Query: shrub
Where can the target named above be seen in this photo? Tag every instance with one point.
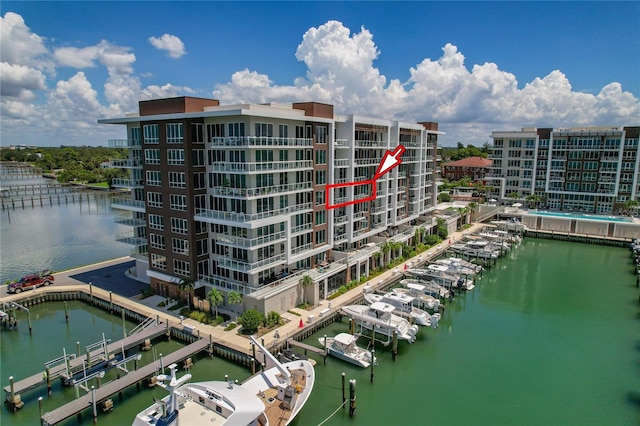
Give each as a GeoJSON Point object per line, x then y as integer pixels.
{"type": "Point", "coordinates": [251, 321]}
{"type": "Point", "coordinates": [230, 326]}
{"type": "Point", "coordinates": [443, 197]}
{"type": "Point", "coordinates": [273, 318]}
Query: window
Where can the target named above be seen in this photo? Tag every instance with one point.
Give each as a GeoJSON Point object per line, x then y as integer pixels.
{"type": "Point", "coordinates": [236, 129]}
{"type": "Point", "coordinates": [283, 155]}
{"type": "Point", "coordinates": [180, 246]}
{"type": "Point", "coordinates": [151, 133]}
{"type": "Point", "coordinates": [321, 177]}
{"type": "Point", "coordinates": [154, 177]}
{"type": "Point", "coordinates": [321, 156]}
{"type": "Point", "coordinates": [152, 156]}
{"type": "Point", "coordinates": [179, 226]}
{"type": "Point", "coordinates": [156, 241]}
{"type": "Point", "coordinates": [154, 199]}
{"type": "Point", "coordinates": [321, 237]}
{"type": "Point", "coordinates": [198, 157]}
{"type": "Point", "coordinates": [202, 247]}
{"type": "Point", "coordinates": [180, 267]}
{"type": "Point", "coordinates": [156, 222]}
{"type": "Point", "coordinates": [197, 132]}
{"type": "Point", "coordinates": [321, 217]}
{"type": "Point", "coordinates": [321, 134]}
{"type": "Point", "coordinates": [265, 204]}
{"type": "Point", "coordinates": [178, 180]}
{"type": "Point", "coordinates": [283, 130]}
{"type": "Point", "coordinates": [175, 157]}
{"type": "Point", "coordinates": [215, 131]}
{"type": "Point", "coordinates": [264, 155]}
{"type": "Point", "coordinates": [158, 261]}
{"type": "Point", "coordinates": [320, 198]}
{"type": "Point", "coordinates": [174, 133]}
{"type": "Point", "coordinates": [199, 181]}
{"type": "Point", "coordinates": [264, 129]}
{"type": "Point", "coordinates": [178, 202]}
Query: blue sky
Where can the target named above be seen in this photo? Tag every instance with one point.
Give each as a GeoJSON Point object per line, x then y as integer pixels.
{"type": "Point", "coordinates": [472, 66]}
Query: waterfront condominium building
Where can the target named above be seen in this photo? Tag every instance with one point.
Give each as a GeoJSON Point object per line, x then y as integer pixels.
{"type": "Point", "coordinates": [249, 198]}
{"type": "Point", "coordinates": [590, 169]}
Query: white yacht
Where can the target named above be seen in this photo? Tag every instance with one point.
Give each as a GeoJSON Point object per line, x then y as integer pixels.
{"type": "Point", "coordinates": [273, 397]}
{"type": "Point", "coordinates": [440, 274]}
{"type": "Point", "coordinates": [404, 307]}
{"type": "Point", "coordinates": [344, 346]}
{"type": "Point", "coordinates": [463, 263]}
{"type": "Point", "coordinates": [477, 248]}
{"type": "Point", "coordinates": [421, 299]}
{"type": "Point", "coordinates": [465, 275]}
{"type": "Point", "coordinates": [453, 264]}
{"type": "Point", "coordinates": [430, 288]}
{"type": "Point", "coordinates": [379, 317]}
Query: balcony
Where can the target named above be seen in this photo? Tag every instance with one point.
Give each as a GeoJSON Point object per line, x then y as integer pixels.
{"type": "Point", "coordinates": [131, 239]}
{"type": "Point", "coordinates": [367, 161]}
{"type": "Point", "coordinates": [127, 183]}
{"type": "Point", "coordinates": [341, 162]}
{"type": "Point", "coordinates": [258, 192]}
{"type": "Point", "coordinates": [129, 221]}
{"type": "Point", "coordinates": [213, 216]}
{"type": "Point", "coordinates": [233, 240]}
{"type": "Point", "coordinates": [410, 159]}
{"type": "Point", "coordinates": [259, 141]}
{"type": "Point", "coordinates": [339, 237]}
{"type": "Point", "coordinates": [367, 144]}
{"type": "Point", "coordinates": [128, 204]}
{"type": "Point", "coordinates": [301, 228]}
{"type": "Point", "coordinates": [241, 266]}
{"type": "Point", "coordinates": [125, 163]}
{"type": "Point", "coordinates": [341, 143]}
{"type": "Point", "coordinates": [261, 167]}
{"type": "Point", "coordinates": [124, 143]}
{"type": "Point", "coordinates": [300, 249]}
{"type": "Point", "coordinates": [340, 219]}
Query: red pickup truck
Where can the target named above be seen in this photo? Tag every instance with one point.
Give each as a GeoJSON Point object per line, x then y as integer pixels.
{"type": "Point", "coordinates": [30, 281]}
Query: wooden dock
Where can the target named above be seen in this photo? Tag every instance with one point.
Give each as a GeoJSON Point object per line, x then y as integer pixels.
{"type": "Point", "coordinates": [306, 347]}
{"type": "Point", "coordinates": [38, 379]}
{"type": "Point", "coordinates": [78, 405]}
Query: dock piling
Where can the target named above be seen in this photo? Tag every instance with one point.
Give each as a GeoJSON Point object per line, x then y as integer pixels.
{"type": "Point", "coordinates": [40, 410]}
{"type": "Point", "coordinates": [344, 398]}
{"type": "Point", "coordinates": [93, 404]}
{"type": "Point", "coordinates": [394, 349]}
{"type": "Point", "coordinates": [352, 397]}
{"type": "Point", "coordinates": [66, 314]}
{"type": "Point", "coordinates": [373, 356]}
{"type": "Point", "coordinates": [47, 372]}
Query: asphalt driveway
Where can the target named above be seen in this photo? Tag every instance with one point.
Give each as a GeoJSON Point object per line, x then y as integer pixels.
{"type": "Point", "coordinates": [112, 278]}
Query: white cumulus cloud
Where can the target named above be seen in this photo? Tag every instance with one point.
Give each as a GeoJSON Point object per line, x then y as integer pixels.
{"type": "Point", "coordinates": [169, 43]}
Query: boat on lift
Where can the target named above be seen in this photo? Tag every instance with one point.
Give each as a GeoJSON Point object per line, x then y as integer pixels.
{"type": "Point", "coordinates": [404, 307]}
{"type": "Point", "coordinates": [344, 346]}
{"type": "Point", "coordinates": [379, 317]}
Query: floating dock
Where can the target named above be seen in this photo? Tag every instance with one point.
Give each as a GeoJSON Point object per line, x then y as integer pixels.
{"type": "Point", "coordinates": [38, 379]}
{"type": "Point", "coordinates": [103, 393]}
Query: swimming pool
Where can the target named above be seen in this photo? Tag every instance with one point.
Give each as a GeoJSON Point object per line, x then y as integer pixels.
{"type": "Point", "coordinates": [582, 216]}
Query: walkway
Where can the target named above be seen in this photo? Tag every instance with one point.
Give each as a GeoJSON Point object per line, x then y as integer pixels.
{"type": "Point", "coordinates": [67, 281]}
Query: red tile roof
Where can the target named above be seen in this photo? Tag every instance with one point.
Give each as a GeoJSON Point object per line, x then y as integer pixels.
{"type": "Point", "coordinates": [470, 162]}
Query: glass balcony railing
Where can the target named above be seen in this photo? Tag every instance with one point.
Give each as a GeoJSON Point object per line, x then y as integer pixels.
{"type": "Point", "coordinates": [124, 143]}
{"type": "Point", "coordinates": [260, 167]}
{"type": "Point", "coordinates": [206, 215]}
{"type": "Point", "coordinates": [260, 141]}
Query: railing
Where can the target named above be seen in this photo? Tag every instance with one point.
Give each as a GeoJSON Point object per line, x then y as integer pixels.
{"type": "Point", "coordinates": [249, 242]}
{"type": "Point", "coordinates": [367, 161]}
{"type": "Point", "coordinates": [339, 237]}
{"type": "Point", "coordinates": [341, 143]}
{"type": "Point", "coordinates": [127, 203]}
{"type": "Point", "coordinates": [340, 219]}
{"type": "Point", "coordinates": [258, 167]}
{"type": "Point", "coordinates": [362, 143]}
{"type": "Point", "coordinates": [126, 183]}
{"type": "Point", "coordinates": [341, 180]}
{"type": "Point", "coordinates": [130, 238]}
{"type": "Point", "coordinates": [130, 221]}
{"type": "Point", "coordinates": [125, 163]}
{"type": "Point", "coordinates": [250, 141]}
{"type": "Point", "coordinates": [341, 162]}
{"type": "Point", "coordinates": [301, 228]}
{"type": "Point", "coordinates": [300, 249]}
{"type": "Point", "coordinates": [245, 266]}
{"type": "Point", "coordinates": [256, 192]}
{"type": "Point", "coordinates": [206, 214]}
{"type": "Point", "coordinates": [124, 143]}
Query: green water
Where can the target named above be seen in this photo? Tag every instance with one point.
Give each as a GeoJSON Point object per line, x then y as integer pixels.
{"type": "Point", "coordinates": [549, 336]}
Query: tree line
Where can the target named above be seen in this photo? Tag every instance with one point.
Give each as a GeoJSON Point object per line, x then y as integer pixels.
{"type": "Point", "coordinates": [460, 151]}
{"type": "Point", "coordinates": [70, 163]}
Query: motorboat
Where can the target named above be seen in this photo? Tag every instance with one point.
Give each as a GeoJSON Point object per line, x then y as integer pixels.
{"type": "Point", "coordinates": [462, 263]}
{"type": "Point", "coordinates": [440, 274]}
{"type": "Point", "coordinates": [456, 267]}
{"type": "Point", "coordinates": [465, 275]}
{"type": "Point", "coordinates": [421, 299]}
{"type": "Point", "coordinates": [430, 288]}
{"type": "Point", "coordinates": [404, 307]}
{"type": "Point", "coordinates": [379, 317]}
{"type": "Point", "coordinates": [477, 248]}
{"type": "Point", "coordinates": [272, 397]}
{"type": "Point", "coordinates": [344, 346]}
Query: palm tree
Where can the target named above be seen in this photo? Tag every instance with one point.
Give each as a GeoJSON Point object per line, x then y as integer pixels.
{"type": "Point", "coordinates": [533, 200]}
{"type": "Point", "coordinates": [376, 258]}
{"type": "Point", "coordinates": [187, 285]}
{"type": "Point", "coordinates": [386, 248]}
{"type": "Point", "coordinates": [631, 205]}
{"type": "Point", "coordinates": [305, 282]}
{"type": "Point", "coordinates": [395, 248]}
{"type": "Point", "coordinates": [234, 298]}
{"type": "Point", "coordinates": [514, 195]}
{"type": "Point", "coordinates": [216, 298]}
